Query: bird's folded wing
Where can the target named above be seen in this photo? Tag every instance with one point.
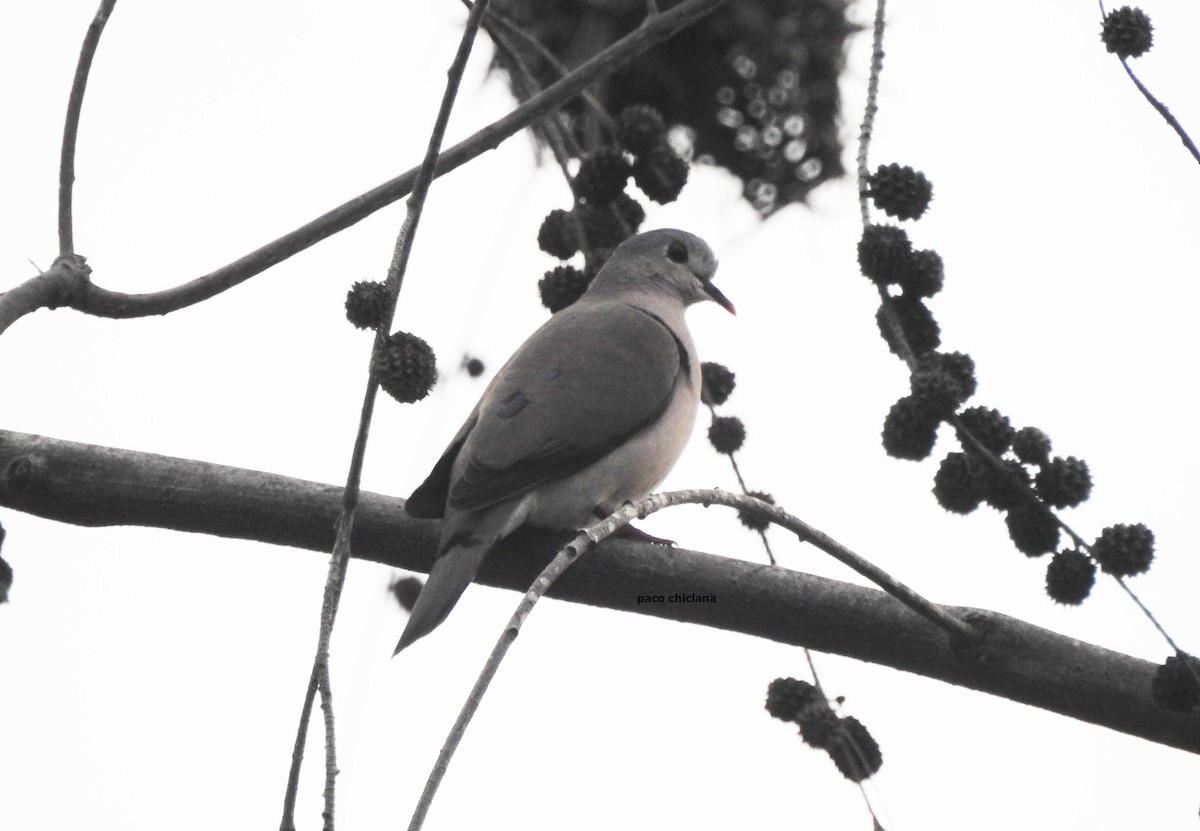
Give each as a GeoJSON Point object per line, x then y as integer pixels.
{"type": "Point", "coordinates": [428, 501]}
{"type": "Point", "coordinates": [581, 386]}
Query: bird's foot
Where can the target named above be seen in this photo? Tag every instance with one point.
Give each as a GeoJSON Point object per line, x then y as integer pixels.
{"type": "Point", "coordinates": [629, 532]}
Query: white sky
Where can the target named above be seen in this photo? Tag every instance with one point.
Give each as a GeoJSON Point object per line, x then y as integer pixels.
{"type": "Point", "coordinates": [152, 679]}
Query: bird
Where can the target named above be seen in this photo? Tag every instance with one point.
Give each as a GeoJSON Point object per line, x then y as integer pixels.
{"type": "Point", "coordinates": [591, 411]}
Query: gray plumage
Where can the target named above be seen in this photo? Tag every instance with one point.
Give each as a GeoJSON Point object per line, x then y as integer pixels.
{"type": "Point", "coordinates": [591, 411]}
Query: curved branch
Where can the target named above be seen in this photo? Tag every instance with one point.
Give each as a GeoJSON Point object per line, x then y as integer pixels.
{"type": "Point", "coordinates": [66, 166]}
{"type": "Point", "coordinates": [590, 537]}
{"type": "Point", "coordinates": [105, 303]}
{"type": "Point", "coordinates": [963, 635]}
{"type": "Point", "coordinates": [1162, 110]}
{"type": "Point", "coordinates": [97, 486]}
{"type": "Point", "coordinates": [61, 285]}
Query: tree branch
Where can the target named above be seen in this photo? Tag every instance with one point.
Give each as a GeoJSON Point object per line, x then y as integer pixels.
{"type": "Point", "coordinates": [66, 165]}
{"type": "Point", "coordinates": [1162, 110]}
{"type": "Point", "coordinates": [1159, 107]}
{"type": "Point", "coordinates": [338, 564]}
{"type": "Point", "coordinates": [60, 285]}
{"type": "Point", "coordinates": [104, 303]}
{"type": "Point", "coordinates": [96, 486]}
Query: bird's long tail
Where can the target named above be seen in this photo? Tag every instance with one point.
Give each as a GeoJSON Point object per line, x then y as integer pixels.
{"type": "Point", "coordinates": [463, 552]}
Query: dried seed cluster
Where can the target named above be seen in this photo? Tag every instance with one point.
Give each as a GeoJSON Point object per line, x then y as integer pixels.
{"type": "Point", "coordinates": [846, 740]}
{"type": "Point", "coordinates": [604, 214]}
{"type": "Point", "coordinates": [1127, 32]}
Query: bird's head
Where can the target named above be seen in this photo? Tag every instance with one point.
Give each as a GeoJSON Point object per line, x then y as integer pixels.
{"type": "Point", "coordinates": [668, 260]}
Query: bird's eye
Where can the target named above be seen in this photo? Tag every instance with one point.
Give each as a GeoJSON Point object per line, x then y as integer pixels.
{"type": "Point", "coordinates": [677, 251]}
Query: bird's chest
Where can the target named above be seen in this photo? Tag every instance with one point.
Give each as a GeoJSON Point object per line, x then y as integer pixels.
{"type": "Point", "coordinates": [631, 471]}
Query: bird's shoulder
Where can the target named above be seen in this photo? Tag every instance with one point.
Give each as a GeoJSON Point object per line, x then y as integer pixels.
{"type": "Point", "coordinates": [610, 356]}
{"type": "Point", "coordinates": [589, 337]}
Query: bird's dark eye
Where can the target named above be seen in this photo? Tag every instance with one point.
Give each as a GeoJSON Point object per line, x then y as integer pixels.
{"type": "Point", "coordinates": [677, 251]}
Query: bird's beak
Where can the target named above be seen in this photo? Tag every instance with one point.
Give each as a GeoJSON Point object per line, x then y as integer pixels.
{"type": "Point", "coordinates": [715, 293]}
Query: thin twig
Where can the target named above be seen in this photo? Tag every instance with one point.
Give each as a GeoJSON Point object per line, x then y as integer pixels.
{"type": "Point", "coordinates": [550, 128]}
{"type": "Point", "coordinates": [762, 533]}
{"type": "Point", "coordinates": [767, 547]}
{"type": "Point", "coordinates": [1149, 615]}
{"type": "Point", "coordinates": [104, 303]}
{"type": "Point", "coordinates": [319, 675]}
{"type": "Point", "coordinates": [972, 443]}
{"type": "Point", "coordinates": [891, 322]}
{"type": "Point", "coordinates": [496, 16]}
{"type": "Point", "coordinates": [960, 632]}
{"type": "Point", "coordinates": [1158, 105]}
{"type": "Point", "coordinates": [66, 167]}
{"type": "Point", "coordinates": [336, 576]}
{"type": "Point", "coordinates": [1163, 111]}
{"type": "Point", "coordinates": [862, 788]}
{"type": "Point", "coordinates": [812, 667]}
{"type": "Point", "coordinates": [565, 557]}
{"type": "Point", "coordinates": [1030, 498]}
{"type": "Point", "coordinates": [872, 107]}
{"type": "Point", "coordinates": [334, 580]}
{"type": "Point", "coordinates": [288, 822]}
{"type": "Point", "coordinates": [957, 629]}
{"type": "Point", "coordinates": [737, 472]}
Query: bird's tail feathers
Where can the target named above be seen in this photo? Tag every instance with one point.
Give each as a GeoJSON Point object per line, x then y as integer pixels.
{"type": "Point", "coordinates": [459, 560]}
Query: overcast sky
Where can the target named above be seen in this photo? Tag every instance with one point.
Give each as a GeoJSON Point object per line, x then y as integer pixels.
{"type": "Point", "coordinates": [153, 680]}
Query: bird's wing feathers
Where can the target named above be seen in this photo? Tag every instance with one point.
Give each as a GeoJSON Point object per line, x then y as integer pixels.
{"type": "Point", "coordinates": [578, 388]}
{"type": "Point", "coordinates": [428, 501]}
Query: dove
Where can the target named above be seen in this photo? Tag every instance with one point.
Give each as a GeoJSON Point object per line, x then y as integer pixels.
{"type": "Point", "coordinates": [591, 411]}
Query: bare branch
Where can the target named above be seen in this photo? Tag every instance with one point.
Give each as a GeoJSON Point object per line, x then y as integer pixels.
{"type": "Point", "coordinates": [61, 285]}
{"type": "Point", "coordinates": [288, 823]}
{"type": "Point", "coordinates": [336, 576]}
{"type": "Point", "coordinates": [1162, 110]}
{"type": "Point", "coordinates": [495, 17]}
{"type": "Point", "coordinates": [866, 131]}
{"type": "Point", "coordinates": [105, 303]}
{"type": "Point", "coordinates": [549, 130]}
{"type": "Point", "coordinates": [95, 486]}
{"type": "Point", "coordinates": [66, 167]}
{"type": "Point", "coordinates": [590, 537]}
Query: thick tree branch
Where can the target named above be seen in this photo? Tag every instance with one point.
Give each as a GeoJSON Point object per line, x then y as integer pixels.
{"type": "Point", "coordinates": [105, 303]}
{"type": "Point", "coordinates": [96, 486]}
